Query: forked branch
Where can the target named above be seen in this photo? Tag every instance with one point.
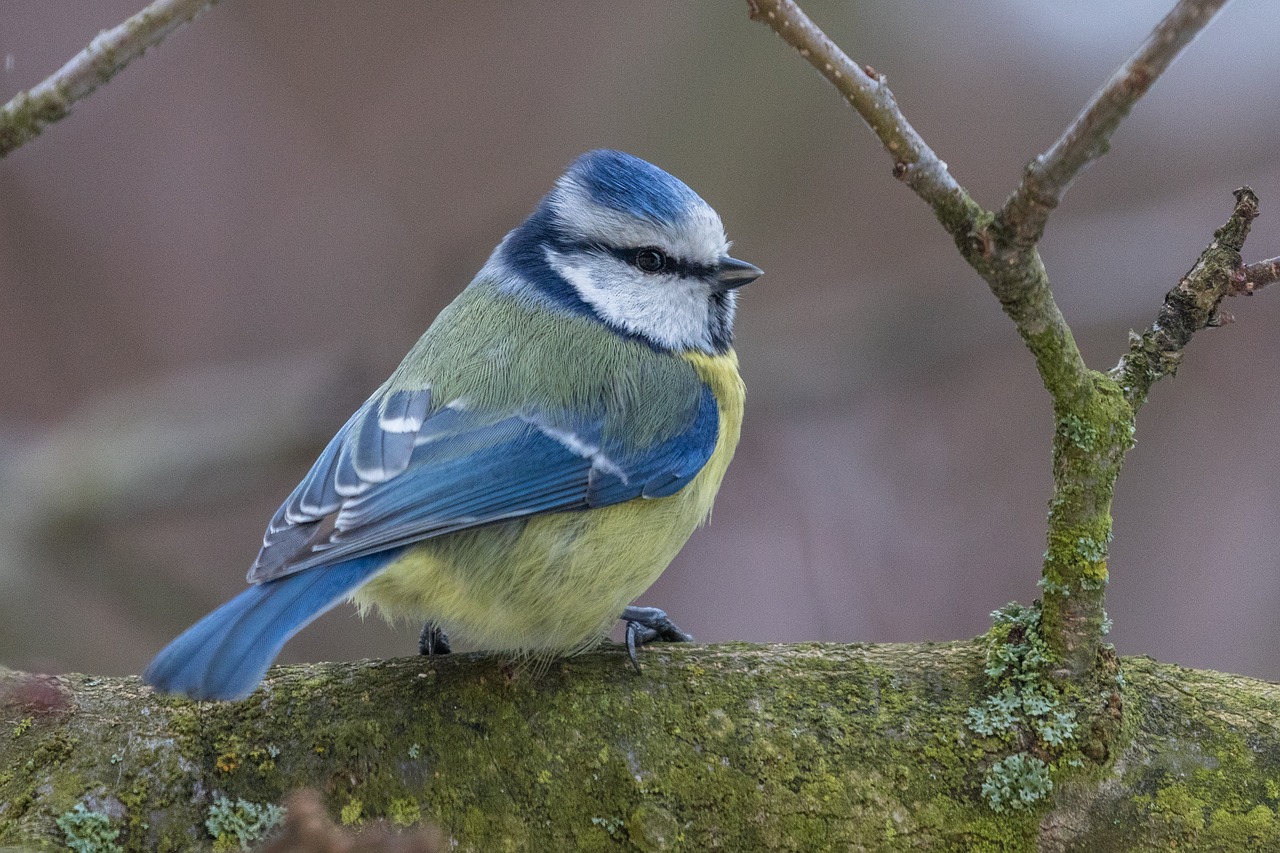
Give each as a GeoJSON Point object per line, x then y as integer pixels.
{"type": "Point", "coordinates": [1094, 412]}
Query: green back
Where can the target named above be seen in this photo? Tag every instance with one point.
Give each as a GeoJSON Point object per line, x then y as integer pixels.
{"type": "Point", "coordinates": [504, 353]}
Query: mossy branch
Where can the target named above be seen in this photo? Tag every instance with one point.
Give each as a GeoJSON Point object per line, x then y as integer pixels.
{"type": "Point", "coordinates": [732, 747]}
{"type": "Point", "coordinates": [27, 114]}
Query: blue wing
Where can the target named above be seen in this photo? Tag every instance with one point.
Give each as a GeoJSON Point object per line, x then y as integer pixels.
{"type": "Point", "coordinates": [401, 471]}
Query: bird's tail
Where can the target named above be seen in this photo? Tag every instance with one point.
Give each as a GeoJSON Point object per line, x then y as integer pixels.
{"type": "Point", "coordinates": [225, 654]}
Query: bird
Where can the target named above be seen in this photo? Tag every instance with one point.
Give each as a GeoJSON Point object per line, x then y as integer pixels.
{"type": "Point", "coordinates": [536, 460]}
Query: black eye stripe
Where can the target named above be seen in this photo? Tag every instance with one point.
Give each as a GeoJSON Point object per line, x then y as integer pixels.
{"type": "Point", "coordinates": [673, 266]}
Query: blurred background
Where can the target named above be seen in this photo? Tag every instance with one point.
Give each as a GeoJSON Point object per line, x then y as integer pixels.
{"type": "Point", "coordinates": [224, 250]}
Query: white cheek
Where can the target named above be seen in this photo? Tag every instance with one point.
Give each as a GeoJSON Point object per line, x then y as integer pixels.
{"type": "Point", "coordinates": [671, 311]}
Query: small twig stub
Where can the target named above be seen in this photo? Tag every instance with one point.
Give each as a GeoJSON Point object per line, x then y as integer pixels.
{"type": "Point", "coordinates": [1190, 306]}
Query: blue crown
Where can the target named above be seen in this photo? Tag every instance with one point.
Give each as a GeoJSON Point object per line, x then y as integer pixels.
{"type": "Point", "coordinates": [621, 182]}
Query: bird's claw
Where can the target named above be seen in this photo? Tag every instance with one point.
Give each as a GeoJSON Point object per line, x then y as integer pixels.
{"type": "Point", "coordinates": [647, 624]}
{"type": "Point", "coordinates": [433, 641]}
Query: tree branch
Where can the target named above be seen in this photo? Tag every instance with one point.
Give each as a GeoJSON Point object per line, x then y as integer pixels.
{"type": "Point", "coordinates": [1094, 412]}
{"type": "Point", "coordinates": [28, 113]}
{"type": "Point", "coordinates": [1192, 305]}
{"type": "Point", "coordinates": [1048, 176]}
{"type": "Point", "coordinates": [732, 747]}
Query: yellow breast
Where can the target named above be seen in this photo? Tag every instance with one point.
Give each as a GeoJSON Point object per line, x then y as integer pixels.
{"type": "Point", "coordinates": [720, 372]}
{"type": "Point", "coordinates": [556, 583]}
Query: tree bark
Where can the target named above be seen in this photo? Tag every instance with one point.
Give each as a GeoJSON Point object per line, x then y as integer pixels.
{"type": "Point", "coordinates": [733, 747]}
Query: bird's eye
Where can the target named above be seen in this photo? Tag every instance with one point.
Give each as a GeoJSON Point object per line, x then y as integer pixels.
{"type": "Point", "coordinates": [650, 260]}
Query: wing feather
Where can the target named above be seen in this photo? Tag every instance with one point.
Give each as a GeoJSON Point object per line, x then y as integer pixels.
{"type": "Point", "coordinates": [399, 472]}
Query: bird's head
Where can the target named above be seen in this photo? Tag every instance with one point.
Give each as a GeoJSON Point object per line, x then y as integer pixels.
{"type": "Point", "coordinates": [628, 244]}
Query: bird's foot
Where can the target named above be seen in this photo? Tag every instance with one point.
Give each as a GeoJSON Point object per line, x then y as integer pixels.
{"type": "Point", "coordinates": [647, 624]}
{"type": "Point", "coordinates": [433, 641]}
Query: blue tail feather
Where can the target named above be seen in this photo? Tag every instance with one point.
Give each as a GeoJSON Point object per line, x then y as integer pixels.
{"type": "Point", "coordinates": [226, 654]}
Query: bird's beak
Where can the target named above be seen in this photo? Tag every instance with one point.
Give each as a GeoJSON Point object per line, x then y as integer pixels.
{"type": "Point", "coordinates": [733, 273]}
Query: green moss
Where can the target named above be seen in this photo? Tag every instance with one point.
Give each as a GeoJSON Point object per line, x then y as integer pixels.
{"type": "Point", "coordinates": [652, 828]}
{"type": "Point", "coordinates": [1077, 556]}
{"type": "Point", "coordinates": [1177, 809]}
{"type": "Point", "coordinates": [1094, 430]}
{"type": "Point", "coordinates": [27, 118]}
{"type": "Point", "coordinates": [1255, 829]}
{"type": "Point", "coordinates": [22, 727]}
{"type": "Point", "coordinates": [1200, 769]}
{"type": "Point", "coordinates": [404, 812]}
{"type": "Point", "coordinates": [352, 813]}
{"type": "Point", "coordinates": [87, 831]}
{"type": "Point", "coordinates": [236, 825]}
{"type": "Point", "coordinates": [1215, 795]}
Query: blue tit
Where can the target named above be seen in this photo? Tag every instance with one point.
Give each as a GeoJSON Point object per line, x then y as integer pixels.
{"type": "Point", "coordinates": [538, 458]}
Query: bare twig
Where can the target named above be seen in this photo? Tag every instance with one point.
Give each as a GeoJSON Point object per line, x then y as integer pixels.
{"type": "Point", "coordinates": [915, 163]}
{"type": "Point", "coordinates": [1253, 277]}
{"type": "Point", "coordinates": [1048, 176]}
{"type": "Point", "coordinates": [1191, 306]}
{"type": "Point", "coordinates": [28, 113]}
